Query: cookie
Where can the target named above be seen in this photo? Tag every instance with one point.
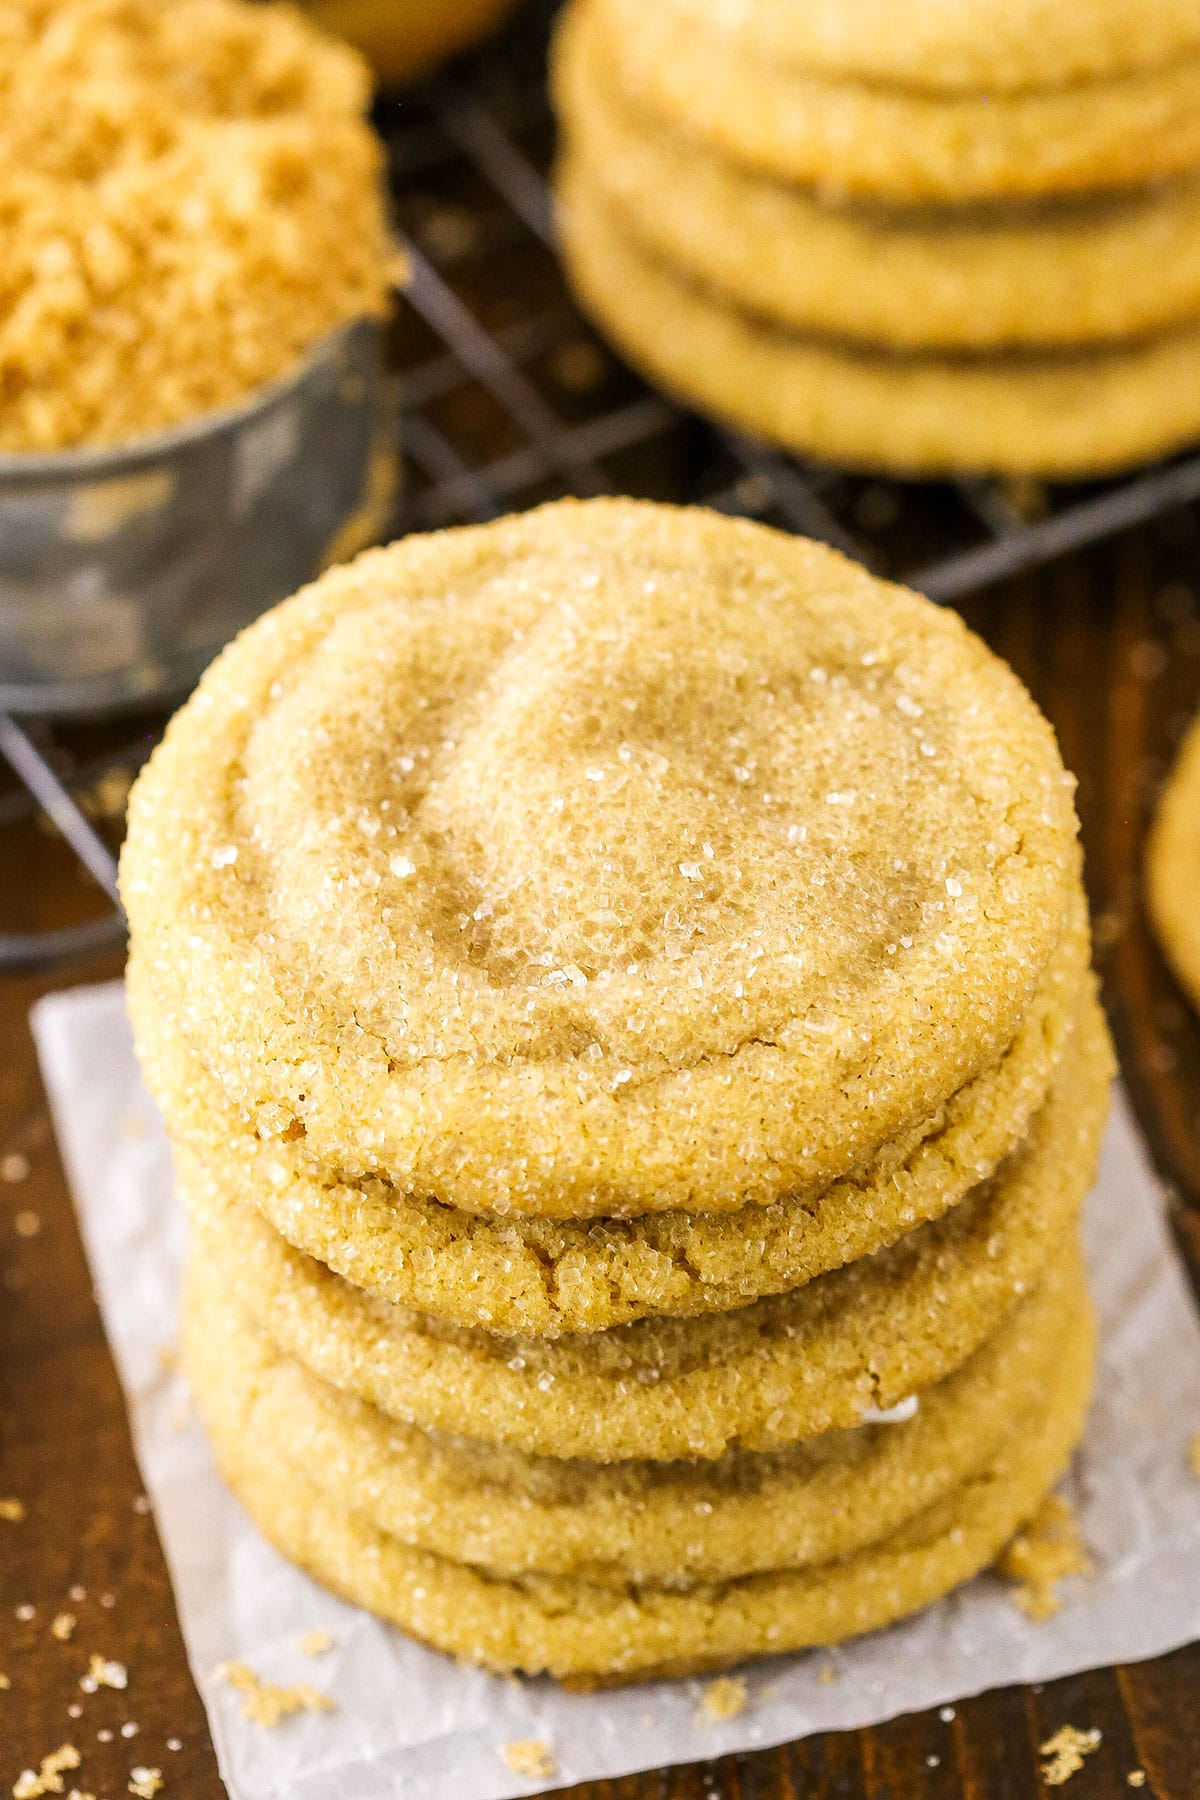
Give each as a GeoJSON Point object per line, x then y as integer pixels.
{"type": "Point", "coordinates": [760, 1378]}
{"type": "Point", "coordinates": [660, 1523]}
{"type": "Point", "coordinates": [579, 1630]}
{"type": "Point", "coordinates": [993, 46]}
{"type": "Point", "coordinates": [1065, 272]}
{"type": "Point", "coordinates": [899, 143]}
{"type": "Point", "coordinates": [1057, 414]}
{"type": "Point", "coordinates": [1173, 867]}
{"type": "Point", "coordinates": [405, 39]}
{"type": "Point", "coordinates": [546, 1277]}
{"type": "Point", "coordinates": [605, 860]}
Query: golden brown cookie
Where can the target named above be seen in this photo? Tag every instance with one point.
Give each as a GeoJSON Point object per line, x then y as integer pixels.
{"type": "Point", "coordinates": [575, 1629]}
{"type": "Point", "coordinates": [606, 860]}
{"type": "Point", "coordinates": [901, 143]}
{"type": "Point", "coordinates": [407, 38]}
{"type": "Point", "coordinates": [1066, 272]}
{"type": "Point", "coordinates": [661, 1523]}
{"type": "Point", "coordinates": [1173, 866]}
{"type": "Point", "coordinates": [544, 1277]}
{"type": "Point", "coordinates": [991, 46]}
{"type": "Point", "coordinates": [1058, 413]}
{"type": "Point", "coordinates": [760, 1378]}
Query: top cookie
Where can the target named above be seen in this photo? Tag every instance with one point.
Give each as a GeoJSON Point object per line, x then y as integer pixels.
{"type": "Point", "coordinates": [605, 860]}
{"type": "Point", "coordinates": [954, 45]}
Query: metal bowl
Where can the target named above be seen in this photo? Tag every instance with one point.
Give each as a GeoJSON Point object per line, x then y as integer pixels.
{"type": "Point", "coordinates": [123, 571]}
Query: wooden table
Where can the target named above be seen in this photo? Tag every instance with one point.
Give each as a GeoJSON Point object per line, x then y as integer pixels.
{"type": "Point", "coordinates": [1110, 645]}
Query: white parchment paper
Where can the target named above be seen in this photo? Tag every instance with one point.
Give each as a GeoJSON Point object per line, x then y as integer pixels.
{"type": "Point", "coordinates": [411, 1724]}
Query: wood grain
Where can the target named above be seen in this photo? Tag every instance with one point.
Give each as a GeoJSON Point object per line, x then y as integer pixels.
{"type": "Point", "coordinates": [1110, 645]}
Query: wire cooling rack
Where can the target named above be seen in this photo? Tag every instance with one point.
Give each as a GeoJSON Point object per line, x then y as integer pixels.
{"type": "Point", "coordinates": [509, 399]}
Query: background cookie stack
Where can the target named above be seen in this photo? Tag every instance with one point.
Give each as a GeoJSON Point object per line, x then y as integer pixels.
{"type": "Point", "coordinates": [618, 983]}
{"type": "Point", "coordinates": [927, 238]}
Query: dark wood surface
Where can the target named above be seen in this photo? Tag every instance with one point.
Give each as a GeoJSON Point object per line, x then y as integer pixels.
{"type": "Point", "coordinates": [1110, 645]}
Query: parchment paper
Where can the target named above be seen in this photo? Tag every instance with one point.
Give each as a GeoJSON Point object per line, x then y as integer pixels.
{"type": "Point", "coordinates": [410, 1723]}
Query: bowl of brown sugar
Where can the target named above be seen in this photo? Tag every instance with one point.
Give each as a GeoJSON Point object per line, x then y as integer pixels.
{"type": "Point", "coordinates": [194, 279]}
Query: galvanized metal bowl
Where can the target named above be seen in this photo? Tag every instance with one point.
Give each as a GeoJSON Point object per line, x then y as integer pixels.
{"type": "Point", "coordinates": [124, 570]}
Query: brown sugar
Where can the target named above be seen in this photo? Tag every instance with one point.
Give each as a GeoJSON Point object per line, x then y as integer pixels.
{"type": "Point", "coordinates": [190, 199]}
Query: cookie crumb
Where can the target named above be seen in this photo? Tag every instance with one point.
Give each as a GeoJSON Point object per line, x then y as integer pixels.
{"type": "Point", "coordinates": [1049, 1550]}
{"type": "Point", "coordinates": [102, 1673]}
{"type": "Point", "coordinates": [5, 1684]}
{"type": "Point", "coordinates": [723, 1698]}
{"type": "Point", "coordinates": [1065, 1751]}
{"type": "Point", "coordinates": [62, 1625]}
{"type": "Point", "coordinates": [1194, 1454]}
{"type": "Point", "coordinates": [827, 1675]}
{"type": "Point", "coordinates": [263, 1703]}
{"type": "Point", "coordinates": [78, 1794]}
{"type": "Point", "coordinates": [316, 1643]}
{"type": "Point", "coordinates": [145, 1783]}
{"type": "Point", "coordinates": [13, 1511]}
{"type": "Point", "coordinates": [49, 1777]}
{"type": "Point", "coordinates": [531, 1757]}
{"type": "Point", "coordinates": [1136, 1778]}
{"type": "Point", "coordinates": [167, 1358]}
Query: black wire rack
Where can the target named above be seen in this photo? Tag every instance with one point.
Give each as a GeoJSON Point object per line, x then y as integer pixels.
{"type": "Point", "coordinates": [509, 399]}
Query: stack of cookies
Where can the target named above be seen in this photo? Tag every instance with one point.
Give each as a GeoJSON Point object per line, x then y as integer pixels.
{"type": "Point", "coordinates": [618, 984]}
{"type": "Point", "coordinates": [924, 238]}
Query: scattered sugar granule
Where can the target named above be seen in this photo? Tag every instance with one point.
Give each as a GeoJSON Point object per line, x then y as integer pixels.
{"type": "Point", "coordinates": [13, 1511]}
{"type": "Point", "coordinates": [27, 1224]}
{"type": "Point", "coordinates": [1136, 1778]}
{"type": "Point", "coordinates": [25, 1612]}
{"type": "Point", "coordinates": [129, 1729]}
{"type": "Point", "coordinates": [102, 1673]}
{"type": "Point", "coordinates": [265, 1704]}
{"type": "Point", "coordinates": [1194, 1454]}
{"type": "Point", "coordinates": [316, 1643]}
{"type": "Point", "coordinates": [723, 1698]}
{"type": "Point", "coordinates": [947, 1715]}
{"type": "Point", "coordinates": [145, 1783]}
{"type": "Point", "coordinates": [532, 1757]}
{"type": "Point", "coordinates": [14, 1167]}
{"type": "Point", "coordinates": [1049, 1550]}
{"type": "Point", "coordinates": [1064, 1753]}
{"type": "Point", "coordinates": [49, 1777]}
{"type": "Point", "coordinates": [62, 1626]}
